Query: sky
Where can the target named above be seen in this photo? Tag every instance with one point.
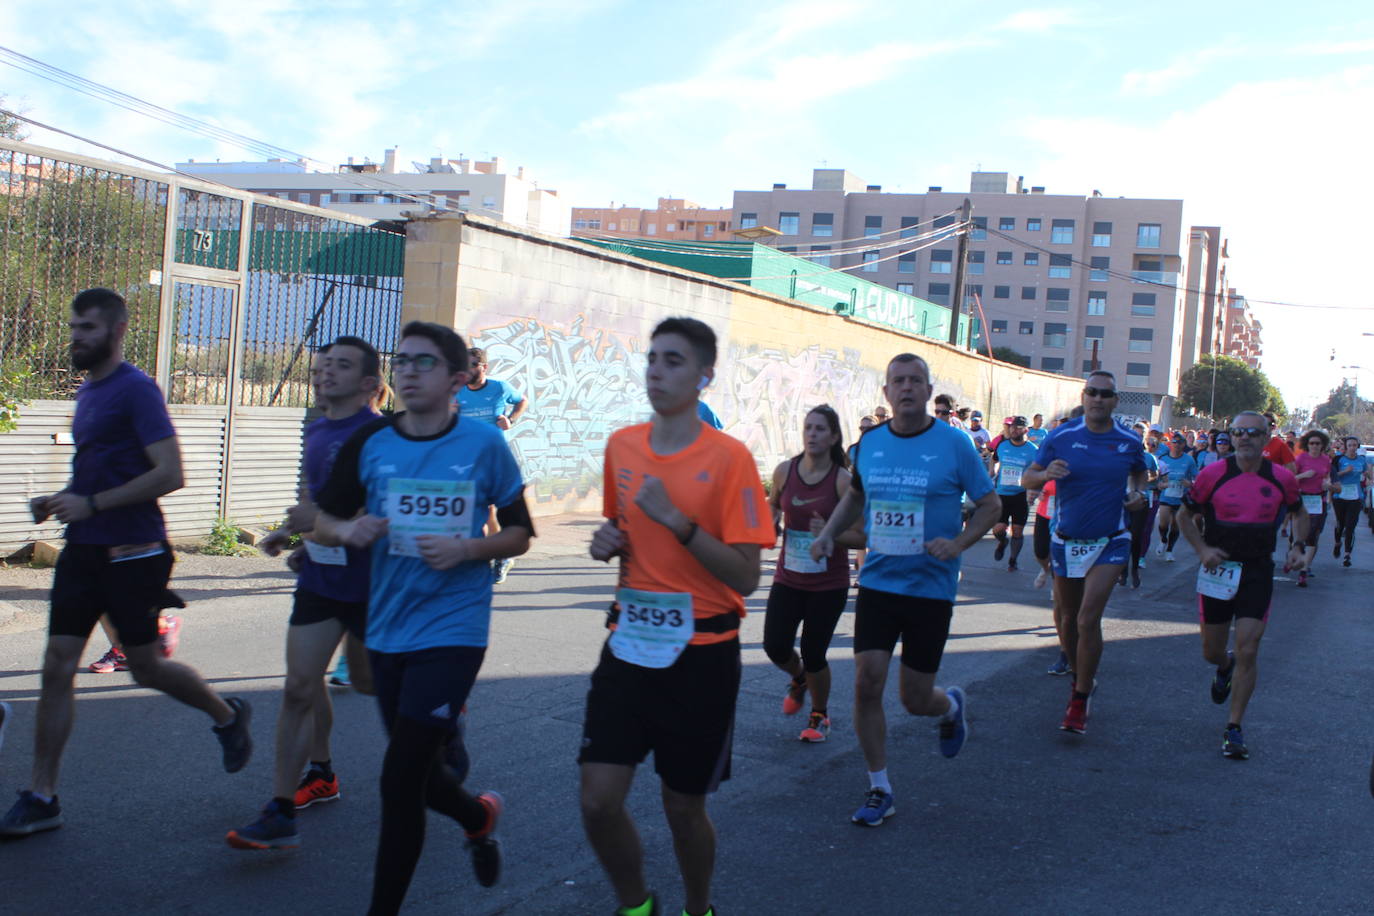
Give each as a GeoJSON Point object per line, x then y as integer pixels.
{"type": "Point", "coordinates": [1256, 115]}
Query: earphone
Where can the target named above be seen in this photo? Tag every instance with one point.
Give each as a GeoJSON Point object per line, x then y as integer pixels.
{"type": "Point", "coordinates": [701, 385]}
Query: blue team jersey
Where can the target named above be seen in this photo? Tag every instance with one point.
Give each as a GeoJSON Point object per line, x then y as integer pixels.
{"type": "Point", "coordinates": [446, 479]}
{"type": "Point", "coordinates": [1012, 460]}
{"type": "Point", "coordinates": [1352, 484]}
{"type": "Point", "coordinates": [708, 416]}
{"type": "Point", "coordinates": [1151, 465]}
{"type": "Point", "coordinates": [1089, 500]}
{"type": "Point", "coordinates": [494, 399]}
{"type": "Point", "coordinates": [917, 481]}
{"type": "Point", "coordinates": [1181, 471]}
{"type": "Point", "coordinates": [1036, 435]}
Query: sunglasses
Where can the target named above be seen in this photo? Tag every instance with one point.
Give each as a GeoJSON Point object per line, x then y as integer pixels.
{"type": "Point", "coordinates": [941, 413]}
{"type": "Point", "coordinates": [1248, 432]}
{"type": "Point", "coordinates": [1092, 392]}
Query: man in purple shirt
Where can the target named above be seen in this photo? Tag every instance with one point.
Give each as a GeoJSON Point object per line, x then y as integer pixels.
{"type": "Point", "coordinates": [116, 560]}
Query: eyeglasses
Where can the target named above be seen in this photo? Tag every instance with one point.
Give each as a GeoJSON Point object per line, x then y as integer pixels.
{"type": "Point", "coordinates": [941, 413]}
{"type": "Point", "coordinates": [1092, 392]}
{"type": "Point", "coordinates": [423, 362]}
{"type": "Point", "coordinates": [1248, 432]}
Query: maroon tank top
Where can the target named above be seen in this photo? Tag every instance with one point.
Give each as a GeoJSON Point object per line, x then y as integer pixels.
{"type": "Point", "coordinates": [800, 501]}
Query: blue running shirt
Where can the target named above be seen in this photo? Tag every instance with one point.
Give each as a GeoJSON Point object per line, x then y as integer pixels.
{"type": "Point", "coordinates": [915, 483]}
{"type": "Point", "coordinates": [1089, 500]}
{"type": "Point", "coordinates": [462, 470]}
{"type": "Point", "coordinates": [1182, 471]}
{"type": "Point", "coordinates": [1352, 484]}
{"type": "Point", "coordinates": [1036, 435]}
{"type": "Point", "coordinates": [494, 399]}
{"type": "Point", "coordinates": [1011, 461]}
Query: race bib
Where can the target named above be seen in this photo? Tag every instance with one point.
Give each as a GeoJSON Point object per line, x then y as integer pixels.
{"type": "Point", "coordinates": [1079, 556]}
{"type": "Point", "coordinates": [1009, 475]}
{"type": "Point", "coordinates": [1174, 491]}
{"type": "Point", "coordinates": [1221, 582]}
{"type": "Point", "coordinates": [1312, 502]}
{"type": "Point", "coordinates": [897, 527]}
{"type": "Point", "coordinates": [797, 556]}
{"type": "Point", "coordinates": [326, 556]}
{"type": "Point", "coordinates": [416, 507]}
{"type": "Point", "coordinates": [1350, 490]}
{"type": "Point", "coordinates": [1049, 507]}
{"type": "Point", "coordinates": [653, 627]}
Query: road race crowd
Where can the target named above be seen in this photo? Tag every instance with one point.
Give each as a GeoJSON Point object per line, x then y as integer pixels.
{"type": "Point", "coordinates": [409, 520]}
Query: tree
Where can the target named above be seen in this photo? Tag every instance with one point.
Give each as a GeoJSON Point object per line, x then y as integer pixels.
{"type": "Point", "coordinates": [1232, 388]}
{"type": "Point", "coordinates": [1008, 355]}
{"type": "Point", "coordinates": [10, 126]}
{"type": "Point", "coordinates": [1343, 400]}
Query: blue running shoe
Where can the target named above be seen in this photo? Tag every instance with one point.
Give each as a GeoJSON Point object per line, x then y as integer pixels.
{"type": "Point", "coordinates": [340, 676]}
{"type": "Point", "coordinates": [1060, 667]}
{"type": "Point", "coordinates": [1233, 744]}
{"type": "Point", "coordinates": [878, 807]}
{"type": "Point", "coordinates": [273, 830]}
{"type": "Point", "coordinates": [1221, 681]}
{"type": "Point", "coordinates": [31, 815]}
{"type": "Point", "coordinates": [235, 738]}
{"type": "Point", "coordinates": [954, 732]}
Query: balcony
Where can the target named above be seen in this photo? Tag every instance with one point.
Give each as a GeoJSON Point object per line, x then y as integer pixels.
{"type": "Point", "coordinates": [1162, 277]}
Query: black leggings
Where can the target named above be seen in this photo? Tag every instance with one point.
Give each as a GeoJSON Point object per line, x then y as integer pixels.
{"type": "Point", "coordinates": [817, 613]}
{"type": "Point", "coordinates": [1347, 513]}
{"type": "Point", "coordinates": [1139, 524]}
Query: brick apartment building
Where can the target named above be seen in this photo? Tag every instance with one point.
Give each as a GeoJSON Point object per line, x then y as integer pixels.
{"type": "Point", "coordinates": [675, 220]}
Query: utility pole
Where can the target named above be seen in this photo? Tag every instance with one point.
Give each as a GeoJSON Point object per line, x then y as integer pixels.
{"type": "Point", "coordinates": [960, 267]}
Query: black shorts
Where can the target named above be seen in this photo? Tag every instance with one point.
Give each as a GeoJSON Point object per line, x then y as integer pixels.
{"type": "Point", "coordinates": [310, 607]}
{"type": "Point", "coordinates": [685, 714]}
{"type": "Point", "coordinates": [1040, 538]}
{"type": "Point", "coordinates": [1252, 598]}
{"type": "Point", "coordinates": [429, 686]}
{"type": "Point", "coordinates": [922, 624]}
{"type": "Point", "coordinates": [1315, 524]}
{"type": "Point", "coordinates": [87, 584]}
{"type": "Point", "coordinates": [1015, 509]}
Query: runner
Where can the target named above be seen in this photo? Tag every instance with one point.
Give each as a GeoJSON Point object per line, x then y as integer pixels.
{"type": "Point", "coordinates": [1037, 432]}
{"type": "Point", "coordinates": [805, 593]}
{"type": "Point", "coordinates": [330, 601]}
{"type": "Point", "coordinates": [116, 560]}
{"type": "Point", "coordinates": [1012, 456]}
{"type": "Point", "coordinates": [908, 486]}
{"type": "Point", "coordinates": [1351, 471]}
{"type": "Point", "coordinates": [880, 413]}
{"type": "Point", "coordinates": [1092, 460]}
{"type": "Point", "coordinates": [1276, 450]}
{"type": "Point", "coordinates": [1243, 500]}
{"type": "Point", "coordinates": [1044, 515]}
{"type": "Point", "coordinates": [1140, 520]}
{"type": "Point", "coordinates": [687, 517]}
{"type": "Point", "coordinates": [423, 477]}
{"type": "Point", "coordinates": [980, 436]}
{"type": "Point", "coordinates": [1314, 480]}
{"type": "Point", "coordinates": [1176, 472]}
{"type": "Point", "coordinates": [866, 422]}
{"type": "Point", "coordinates": [492, 401]}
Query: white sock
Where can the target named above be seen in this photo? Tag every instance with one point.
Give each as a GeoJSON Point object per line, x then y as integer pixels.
{"type": "Point", "coordinates": [878, 780]}
{"type": "Point", "coordinates": [953, 712]}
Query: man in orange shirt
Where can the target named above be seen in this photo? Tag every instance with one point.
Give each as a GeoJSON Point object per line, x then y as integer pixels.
{"type": "Point", "coordinates": [687, 517]}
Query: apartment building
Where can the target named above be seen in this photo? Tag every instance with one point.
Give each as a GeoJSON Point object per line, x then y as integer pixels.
{"type": "Point", "coordinates": [381, 191]}
{"type": "Point", "coordinates": [1241, 331]}
{"type": "Point", "coordinates": [674, 220]}
{"type": "Point", "coordinates": [1055, 273]}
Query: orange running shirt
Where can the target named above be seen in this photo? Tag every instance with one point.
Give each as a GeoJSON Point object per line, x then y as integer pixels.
{"type": "Point", "coordinates": [715, 482]}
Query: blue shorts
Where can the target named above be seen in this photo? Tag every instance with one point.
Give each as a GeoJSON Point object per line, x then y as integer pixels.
{"type": "Point", "coordinates": [1116, 553]}
{"type": "Point", "coordinates": [429, 686]}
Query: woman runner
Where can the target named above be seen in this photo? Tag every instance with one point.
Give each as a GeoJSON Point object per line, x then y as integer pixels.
{"type": "Point", "coordinates": [1349, 472]}
{"type": "Point", "coordinates": [1314, 479]}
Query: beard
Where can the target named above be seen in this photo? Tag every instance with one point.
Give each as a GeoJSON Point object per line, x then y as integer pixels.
{"type": "Point", "coordinates": [93, 355]}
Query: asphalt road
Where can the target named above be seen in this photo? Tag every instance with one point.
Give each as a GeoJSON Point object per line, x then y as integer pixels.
{"type": "Point", "coordinates": [1142, 815]}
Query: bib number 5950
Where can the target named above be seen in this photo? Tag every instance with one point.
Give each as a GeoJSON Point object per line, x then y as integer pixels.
{"type": "Point", "coordinates": [436, 506]}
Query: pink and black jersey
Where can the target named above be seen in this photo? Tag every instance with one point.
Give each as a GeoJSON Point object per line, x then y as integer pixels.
{"type": "Point", "coordinates": [1243, 510]}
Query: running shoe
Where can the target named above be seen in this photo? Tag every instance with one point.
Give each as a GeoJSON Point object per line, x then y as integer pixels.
{"type": "Point", "coordinates": [1302, 579]}
{"type": "Point", "coordinates": [1076, 716]}
{"type": "Point", "coordinates": [954, 732]}
{"type": "Point", "coordinates": [1011, 566]}
{"type": "Point", "coordinates": [1000, 552]}
{"type": "Point", "coordinates": [500, 569]}
{"type": "Point", "coordinates": [168, 634]}
{"type": "Point", "coordinates": [878, 806]}
{"type": "Point", "coordinates": [1221, 681]}
{"type": "Point", "coordinates": [1140, 564]}
{"type": "Point", "coordinates": [1346, 561]}
{"type": "Point", "coordinates": [273, 830]}
{"type": "Point", "coordinates": [1169, 555]}
{"type": "Point", "coordinates": [30, 815]}
{"type": "Point", "coordinates": [1060, 666]}
{"type": "Point", "coordinates": [793, 698]}
{"type": "Point", "coordinates": [235, 738]}
{"type": "Point", "coordinates": [340, 676]}
{"type": "Point", "coordinates": [1159, 550]}
{"type": "Point", "coordinates": [1121, 579]}
{"type": "Point", "coordinates": [817, 728]}
{"type": "Point", "coordinates": [484, 846]}
{"type": "Point", "coordinates": [1336, 550]}
{"type": "Point", "coordinates": [1233, 744]}
{"type": "Point", "coordinates": [110, 662]}
{"type": "Point", "coordinates": [4, 717]}
{"type": "Point", "coordinates": [1135, 578]}
{"type": "Point", "coordinates": [1040, 579]}
{"type": "Point", "coordinates": [651, 901]}
{"type": "Point", "coordinates": [316, 787]}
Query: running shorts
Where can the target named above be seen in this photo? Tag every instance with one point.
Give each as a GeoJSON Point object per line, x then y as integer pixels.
{"type": "Point", "coordinates": [1040, 538]}
{"type": "Point", "coordinates": [1117, 552]}
{"type": "Point", "coordinates": [1315, 524]}
{"type": "Point", "coordinates": [88, 583]}
{"type": "Point", "coordinates": [309, 607]}
{"type": "Point", "coordinates": [1252, 599]}
{"type": "Point", "coordinates": [922, 624]}
{"type": "Point", "coordinates": [429, 686]}
{"type": "Point", "coordinates": [1015, 509]}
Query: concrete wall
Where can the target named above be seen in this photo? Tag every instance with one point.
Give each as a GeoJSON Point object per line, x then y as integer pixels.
{"type": "Point", "coordinates": [568, 324]}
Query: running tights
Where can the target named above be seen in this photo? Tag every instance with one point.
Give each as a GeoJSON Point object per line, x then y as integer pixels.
{"type": "Point", "coordinates": [817, 613]}
{"type": "Point", "coordinates": [1140, 534]}
{"type": "Point", "coordinates": [1347, 520]}
{"type": "Point", "coordinates": [414, 777]}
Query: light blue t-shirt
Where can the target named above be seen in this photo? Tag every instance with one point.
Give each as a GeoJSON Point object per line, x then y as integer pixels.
{"type": "Point", "coordinates": [915, 483]}
{"type": "Point", "coordinates": [1181, 471]}
{"type": "Point", "coordinates": [1352, 484]}
{"type": "Point", "coordinates": [1013, 460]}
{"type": "Point", "coordinates": [464, 469]}
{"type": "Point", "coordinates": [1036, 435]}
{"type": "Point", "coordinates": [1089, 501]}
{"type": "Point", "coordinates": [494, 399]}
{"type": "Point", "coordinates": [708, 416]}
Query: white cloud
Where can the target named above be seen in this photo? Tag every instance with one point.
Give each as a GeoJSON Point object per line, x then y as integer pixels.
{"type": "Point", "coordinates": [1043, 20]}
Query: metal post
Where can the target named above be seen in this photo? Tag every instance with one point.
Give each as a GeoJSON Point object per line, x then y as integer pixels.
{"type": "Point", "coordinates": [957, 305]}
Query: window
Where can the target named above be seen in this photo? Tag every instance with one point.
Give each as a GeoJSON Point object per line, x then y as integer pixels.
{"type": "Point", "coordinates": [1031, 258]}
{"type": "Point", "coordinates": [870, 262]}
{"type": "Point", "coordinates": [651, 229]}
{"type": "Point", "coordinates": [906, 263]}
{"type": "Point", "coordinates": [1061, 232]}
{"type": "Point", "coordinates": [1032, 224]}
{"type": "Point", "coordinates": [818, 257]}
{"type": "Point", "coordinates": [1052, 363]}
{"type": "Point", "coordinates": [999, 326]}
{"type": "Point", "coordinates": [1027, 327]}
{"type": "Point", "coordinates": [979, 231]}
{"type": "Point", "coordinates": [593, 224]}
{"type": "Point", "coordinates": [1028, 292]}
{"type": "Point", "coordinates": [1057, 299]}
{"type": "Point", "coordinates": [1102, 235]}
{"type": "Point", "coordinates": [707, 231]}
{"type": "Point", "coordinates": [1061, 266]}
{"type": "Point", "coordinates": [1138, 375]}
{"type": "Point", "coordinates": [1094, 334]}
{"type": "Point", "coordinates": [1056, 335]}
{"type": "Point", "coordinates": [1004, 257]}
{"type": "Point", "coordinates": [1143, 304]}
{"type": "Point", "coordinates": [942, 222]}
{"type": "Point", "coordinates": [788, 249]}
{"type": "Point", "coordinates": [1100, 266]}
{"type": "Point", "coordinates": [909, 229]}
{"type": "Point", "coordinates": [579, 223]}
{"type": "Point", "coordinates": [1147, 235]}
{"type": "Point", "coordinates": [1097, 302]}
{"type": "Point", "coordinates": [1001, 292]}
{"type": "Point", "coordinates": [975, 262]}
{"type": "Point", "coordinates": [907, 288]}
{"type": "Point", "coordinates": [938, 293]}
{"type": "Point", "coordinates": [610, 227]}
{"type": "Point", "coordinates": [873, 226]}
{"type": "Point", "coordinates": [789, 223]}
{"type": "Point", "coordinates": [971, 290]}
{"type": "Point", "coordinates": [748, 220]}
{"type": "Point", "coordinates": [1006, 223]}
{"type": "Point", "coordinates": [941, 261]}
{"type": "Point", "coordinates": [1142, 340]}
{"type": "Point", "coordinates": [1088, 366]}
{"type": "Point", "coordinates": [823, 224]}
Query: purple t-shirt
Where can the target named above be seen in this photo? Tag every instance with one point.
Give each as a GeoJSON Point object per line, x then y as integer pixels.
{"type": "Point", "coordinates": [117, 418]}
{"type": "Point", "coordinates": [323, 439]}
